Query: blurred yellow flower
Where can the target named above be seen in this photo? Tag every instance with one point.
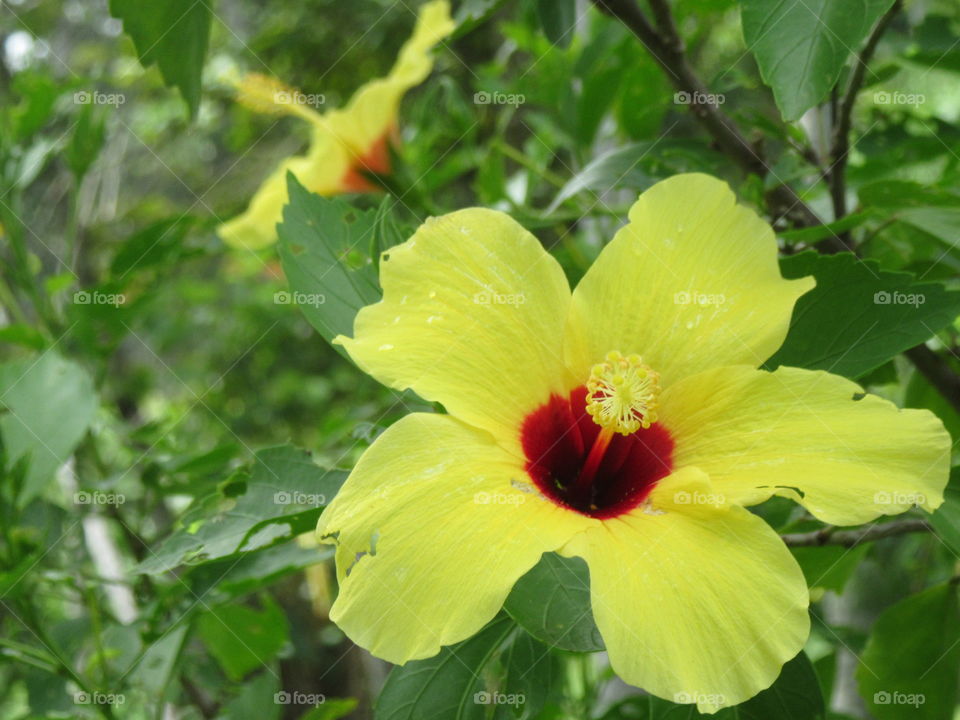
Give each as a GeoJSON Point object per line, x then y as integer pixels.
{"type": "Point", "coordinates": [344, 142]}
{"type": "Point", "coordinates": [626, 423]}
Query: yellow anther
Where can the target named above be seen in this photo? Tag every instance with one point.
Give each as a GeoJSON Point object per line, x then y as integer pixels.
{"type": "Point", "coordinates": [622, 393]}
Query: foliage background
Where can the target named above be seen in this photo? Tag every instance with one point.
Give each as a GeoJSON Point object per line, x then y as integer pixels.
{"type": "Point", "coordinates": [190, 598]}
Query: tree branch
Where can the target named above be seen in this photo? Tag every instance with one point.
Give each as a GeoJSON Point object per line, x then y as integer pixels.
{"type": "Point", "coordinates": [937, 372]}
{"type": "Point", "coordinates": [832, 535]}
{"type": "Point", "coordinates": [667, 48]}
{"type": "Point", "coordinates": [840, 145]}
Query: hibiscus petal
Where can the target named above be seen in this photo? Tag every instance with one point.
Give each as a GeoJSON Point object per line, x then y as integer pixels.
{"type": "Point", "coordinates": [804, 434]}
{"type": "Point", "coordinates": [696, 603]}
{"type": "Point", "coordinates": [691, 282]}
{"type": "Point", "coordinates": [472, 317]}
{"type": "Point", "coordinates": [321, 171]}
{"type": "Point", "coordinates": [433, 527]}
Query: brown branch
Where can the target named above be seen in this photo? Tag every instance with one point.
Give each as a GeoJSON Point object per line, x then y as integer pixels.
{"type": "Point", "coordinates": [840, 145]}
{"type": "Point", "coordinates": [832, 535]}
{"type": "Point", "coordinates": [937, 372]}
{"type": "Point", "coordinates": [667, 48]}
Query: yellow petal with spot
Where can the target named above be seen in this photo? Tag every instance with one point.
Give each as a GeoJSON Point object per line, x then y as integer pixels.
{"type": "Point", "coordinates": [802, 434]}
{"type": "Point", "coordinates": [472, 317]}
{"type": "Point", "coordinates": [342, 141]}
{"type": "Point", "coordinates": [433, 527]}
{"type": "Point", "coordinates": [691, 282]}
{"type": "Point", "coordinates": [696, 603]}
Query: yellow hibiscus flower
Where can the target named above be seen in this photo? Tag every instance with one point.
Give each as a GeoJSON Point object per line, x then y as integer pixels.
{"type": "Point", "coordinates": [626, 423]}
{"type": "Point", "coordinates": [343, 142]}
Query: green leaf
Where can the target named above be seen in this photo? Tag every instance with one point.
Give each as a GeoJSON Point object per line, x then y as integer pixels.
{"type": "Point", "coordinates": [794, 696]}
{"type": "Point", "coordinates": [531, 673]}
{"type": "Point", "coordinates": [830, 566]}
{"type": "Point", "coordinates": [86, 140]}
{"type": "Point", "coordinates": [552, 603]}
{"type": "Point", "coordinates": [174, 35]}
{"type": "Point", "coordinates": [618, 168]}
{"type": "Point", "coordinates": [941, 222]}
{"type": "Point", "coordinates": [243, 639]}
{"type": "Point", "coordinates": [157, 245]}
{"type": "Point", "coordinates": [332, 709]}
{"type": "Point", "coordinates": [324, 251]}
{"type": "Point", "coordinates": [859, 316]}
{"type": "Point", "coordinates": [557, 18]}
{"type": "Point", "coordinates": [946, 519]}
{"type": "Point", "coordinates": [910, 664]}
{"type": "Point", "coordinates": [447, 686]}
{"type": "Point", "coordinates": [49, 403]}
{"type": "Point", "coordinates": [281, 498]}
{"type": "Point", "coordinates": [257, 700]}
{"type": "Point", "coordinates": [802, 45]}
{"type": "Point", "coordinates": [637, 166]}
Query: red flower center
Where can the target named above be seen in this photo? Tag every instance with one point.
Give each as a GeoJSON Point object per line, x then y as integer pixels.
{"type": "Point", "coordinates": [557, 438]}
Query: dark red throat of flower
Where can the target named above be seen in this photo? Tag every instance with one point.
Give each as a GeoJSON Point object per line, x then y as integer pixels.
{"type": "Point", "coordinates": [557, 439]}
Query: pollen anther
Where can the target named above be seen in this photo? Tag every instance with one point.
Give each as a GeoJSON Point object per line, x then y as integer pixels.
{"type": "Point", "coordinates": [622, 393]}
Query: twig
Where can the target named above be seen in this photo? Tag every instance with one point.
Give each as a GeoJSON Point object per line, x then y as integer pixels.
{"type": "Point", "coordinates": [831, 535]}
{"type": "Point", "coordinates": [840, 145]}
{"type": "Point", "coordinates": [666, 46]}
{"type": "Point", "coordinates": [937, 372]}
